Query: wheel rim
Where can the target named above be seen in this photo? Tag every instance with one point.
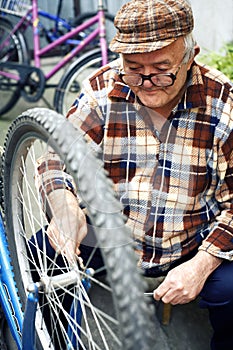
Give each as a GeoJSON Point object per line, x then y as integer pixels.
{"type": "Point", "coordinates": [94, 320]}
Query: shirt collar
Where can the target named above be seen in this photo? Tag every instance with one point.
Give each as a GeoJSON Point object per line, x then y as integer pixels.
{"type": "Point", "coordinates": [194, 96]}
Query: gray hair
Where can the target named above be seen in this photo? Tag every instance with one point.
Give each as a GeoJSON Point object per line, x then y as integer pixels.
{"type": "Point", "coordinates": [189, 44]}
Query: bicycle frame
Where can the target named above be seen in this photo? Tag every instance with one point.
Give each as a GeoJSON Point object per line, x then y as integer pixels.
{"type": "Point", "coordinates": [32, 18]}
{"type": "Point", "coordinates": [57, 21]}
{"type": "Point", "coordinates": [8, 293]}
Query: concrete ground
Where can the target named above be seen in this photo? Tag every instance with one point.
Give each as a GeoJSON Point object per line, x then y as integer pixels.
{"type": "Point", "coordinates": [189, 328]}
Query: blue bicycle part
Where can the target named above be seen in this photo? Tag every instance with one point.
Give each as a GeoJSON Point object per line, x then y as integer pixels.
{"type": "Point", "coordinates": [28, 334]}
{"type": "Point", "coordinates": [8, 292]}
{"type": "Point", "coordinates": [28, 338]}
{"type": "Point", "coordinates": [76, 314]}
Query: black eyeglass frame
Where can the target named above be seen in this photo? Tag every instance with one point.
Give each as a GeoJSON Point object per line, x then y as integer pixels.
{"type": "Point", "coordinates": [148, 77]}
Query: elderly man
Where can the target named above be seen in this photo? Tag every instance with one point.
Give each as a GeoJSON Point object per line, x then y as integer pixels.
{"type": "Point", "coordinates": [163, 124]}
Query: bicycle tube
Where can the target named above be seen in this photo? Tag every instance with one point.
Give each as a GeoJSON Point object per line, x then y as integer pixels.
{"type": "Point", "coordinates": [87, 15]}
{"type": "Point", "coordinates": [13, 50]}
{"type": "Point", "coordinates": [115, 315]}
{"type": "Point", "coordinates": [71, 82]}
{"type": "Point", "coordinates": [109, 22]}
{"type": "Point", "coordinates": [9, 299]}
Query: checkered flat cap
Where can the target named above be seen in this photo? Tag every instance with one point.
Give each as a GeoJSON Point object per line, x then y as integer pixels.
{"type": "Point", "coordinates": [149, 25]}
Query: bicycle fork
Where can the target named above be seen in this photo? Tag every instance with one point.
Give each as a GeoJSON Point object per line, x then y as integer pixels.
{"type": "Point", "coordinates": [47, 284]}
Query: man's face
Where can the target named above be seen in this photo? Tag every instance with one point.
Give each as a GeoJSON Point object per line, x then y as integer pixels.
{"type": "Point", "coordinates": [166, 60]}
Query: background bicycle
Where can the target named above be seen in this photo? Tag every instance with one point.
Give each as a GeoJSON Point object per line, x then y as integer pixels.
{"type": "Point", "coordinates": [95, 305]}
{"type": "Point", "coordinates": [53, 25]}
{"type": "Point", "coordinates": [20, 78]}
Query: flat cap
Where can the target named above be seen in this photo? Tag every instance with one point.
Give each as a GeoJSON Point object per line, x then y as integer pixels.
{"type": "Point", "coordinates": [149, 25]}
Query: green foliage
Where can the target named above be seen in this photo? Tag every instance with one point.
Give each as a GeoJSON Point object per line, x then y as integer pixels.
{"type": "Point", "coordinates": [223, 61]}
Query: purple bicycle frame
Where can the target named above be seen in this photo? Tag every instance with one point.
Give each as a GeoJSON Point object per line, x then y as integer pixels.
{"type": "Point", "coordinates": [38, 52]}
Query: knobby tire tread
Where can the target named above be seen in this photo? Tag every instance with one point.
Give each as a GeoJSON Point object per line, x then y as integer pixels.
{"type": "Point", "coordinates": [133, 311]}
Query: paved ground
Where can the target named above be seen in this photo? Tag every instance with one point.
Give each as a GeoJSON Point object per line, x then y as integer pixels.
{"type": "Point", "coordinates": [189, 327]}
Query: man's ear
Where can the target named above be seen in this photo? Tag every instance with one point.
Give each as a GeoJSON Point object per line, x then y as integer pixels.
{"type": "Point", "coordinates": [196, 52]}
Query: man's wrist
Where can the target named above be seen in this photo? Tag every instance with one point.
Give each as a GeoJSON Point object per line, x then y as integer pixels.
{"type": "Point", "coordinates": [208, 261]}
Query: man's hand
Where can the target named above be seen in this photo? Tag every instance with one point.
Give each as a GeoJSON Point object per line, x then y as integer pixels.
{"type": "Point", "coordinates": [184, 283]}
{"type": "Point", "coordinates": [68, 225]}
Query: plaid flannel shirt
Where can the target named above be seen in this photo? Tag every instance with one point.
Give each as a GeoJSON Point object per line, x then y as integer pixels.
{"type": "Point", "coordinates": [176, 183]}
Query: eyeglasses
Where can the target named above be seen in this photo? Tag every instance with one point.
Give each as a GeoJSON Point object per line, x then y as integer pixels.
{"type": "Point", "coordinates": [160, 80]}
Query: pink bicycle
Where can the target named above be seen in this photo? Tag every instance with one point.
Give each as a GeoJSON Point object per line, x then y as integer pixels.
{"type": "Point", "coordinates": [21, 77]}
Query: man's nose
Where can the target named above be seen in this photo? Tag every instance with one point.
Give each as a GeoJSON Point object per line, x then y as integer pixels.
{"type": "Point", "coordinates": [147, 82]}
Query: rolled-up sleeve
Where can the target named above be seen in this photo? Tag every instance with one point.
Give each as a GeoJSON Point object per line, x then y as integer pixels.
{"type": "Point", "coordinates": [219, 242]}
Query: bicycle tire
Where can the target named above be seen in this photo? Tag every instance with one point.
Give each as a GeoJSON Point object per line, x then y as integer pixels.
{"type": "Point", "coordinates": [133, 323]}
{"type": "Point", "coordinates": [71, 82]}
{"type": "Point", "coordinates": [15, 51]}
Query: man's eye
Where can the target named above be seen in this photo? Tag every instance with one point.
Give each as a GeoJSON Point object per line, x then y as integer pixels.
{"type": "Point", "coordinates": [162, 70]}
{"type": "Point", "coordinates": [133, 69]}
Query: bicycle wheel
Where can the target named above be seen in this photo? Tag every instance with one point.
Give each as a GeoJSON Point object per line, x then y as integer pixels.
{"type": "Point", "coordinates": [109, 23]}
{"type": "Point", "coordinates": [113, 314]}
{"type": "Point", "coordinates": [13, 49]}
{"type": "Point", "coordinates": [71, 83]}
